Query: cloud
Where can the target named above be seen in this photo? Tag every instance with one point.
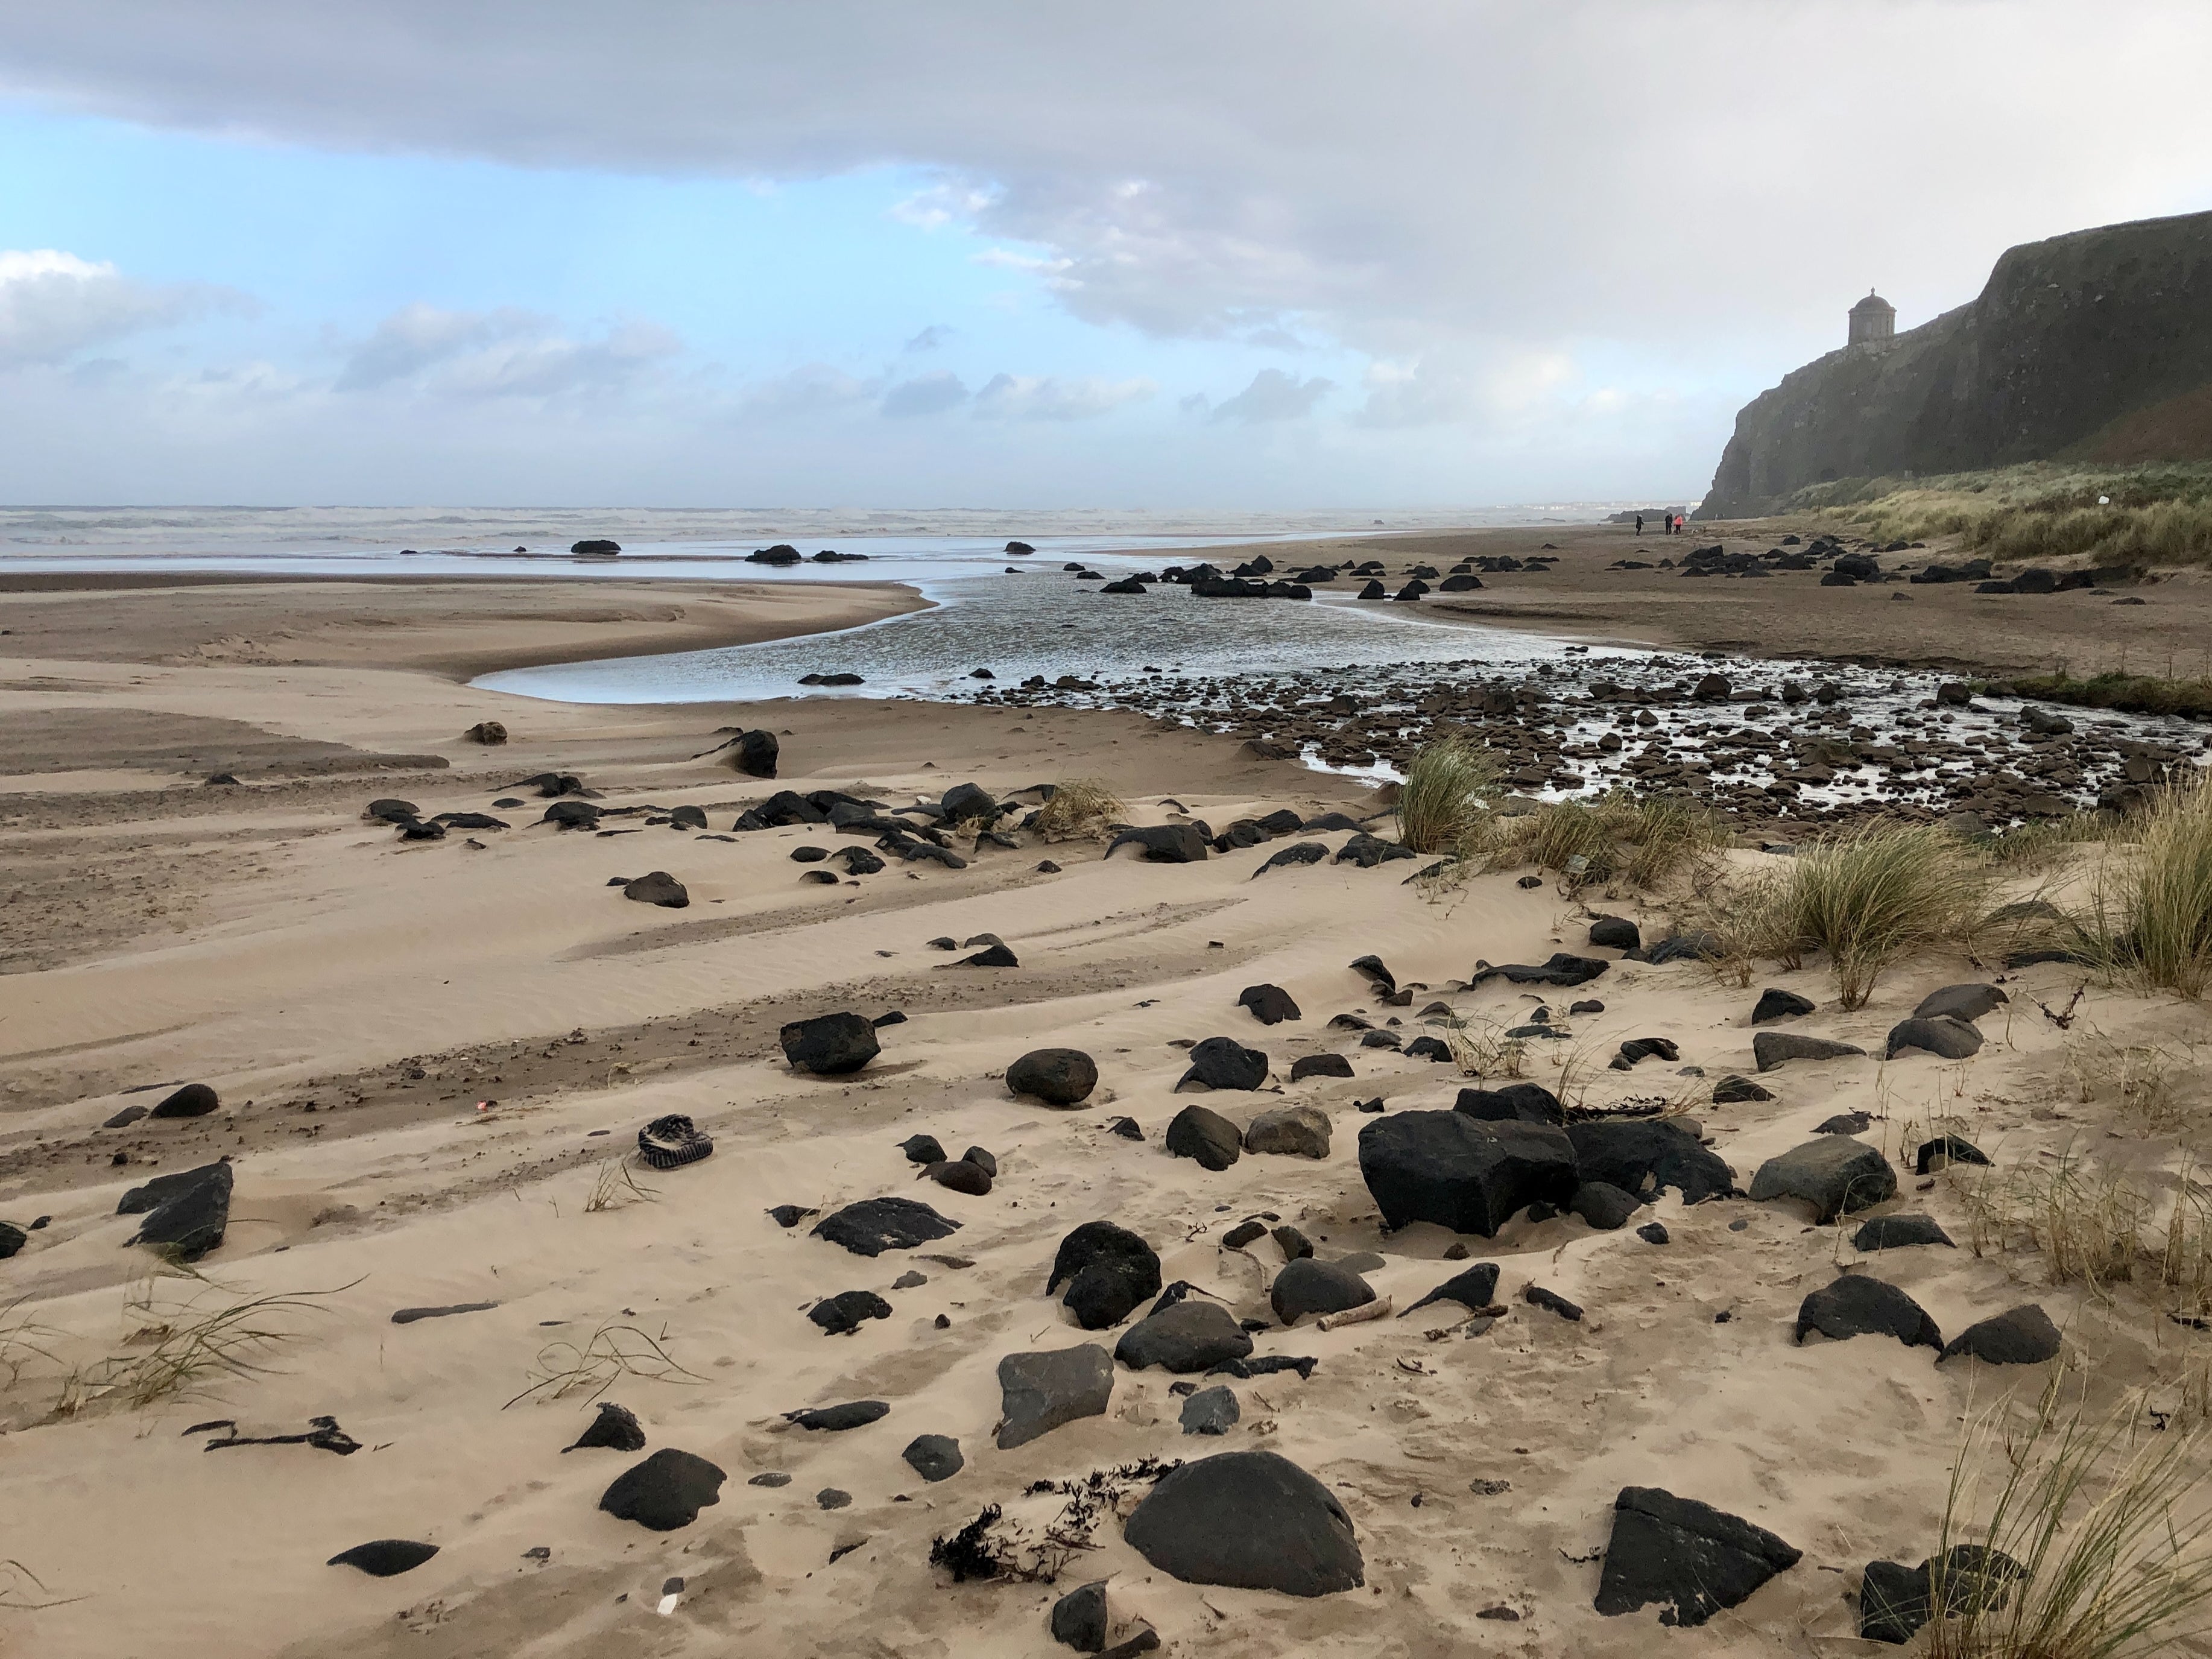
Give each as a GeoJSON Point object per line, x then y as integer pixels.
{"type": "Point", "coordinates": [503, 353]}
{"type": "Point", "coordinates": [1274, 395]}
{"type": "Point", "coordinates": [54, 305]}
{"type": "Point", "coordinates": [1029, 398]}
{"type": "Point", "coordinates": [1392, 175]}
{"type": "Point", "coordinates": [414, 336]}
{"type": "Point", "coordinates": [809, 390]}
{"type": "Point", "coordinates": [929, 394]}
{"type": "Point", "coordinates": [931, 337]}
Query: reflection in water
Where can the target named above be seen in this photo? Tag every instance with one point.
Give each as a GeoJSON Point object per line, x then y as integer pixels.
{"type": "Point", "coordinates": [1041, 621]}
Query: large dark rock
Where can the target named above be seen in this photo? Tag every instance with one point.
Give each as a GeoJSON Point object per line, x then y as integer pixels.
{"type": "Point", "coordinates": [832, 1045]}
{"type": "Point", "coordinates": [1079, 1618]}
{"type": "Point", "coordinates": [616, 1428]}
{"type": "Point", "coordinates": [572, 815]}
{"type": "Point", "coordinates": [1895, 1601]}
{"type": "Point", "coordinates": [967, 800]}
{"type": "Point", "coordinates": [12, 1239]}
{"type": "Point", "coordinates": [1773, 1048]}
{"type": "Point", "coordinates": [188, 1218]}
{"type": "Point", "coordinates": [1383, 979]}
{"type": "Point", "coordinates": [1297, 853]}
{"type": "Point", "coordinates": [755, 753]}
{"type": "Point", "coordinates": [934, 1458]}
{"type": "Point", "coordinates": [1734, 1090]}
{"type": "Point", "coordinates": [1250, 1520]}
{"type": "Point", "coordinates": [1221, 1063]}
{"type": "Point", "coordinates": [1615, 933]}
{"type": "Point", "coordinates": [1058, 1077]}
{"type": "Point", "coordinates": [1968, 1002]}
{"type": "Point", "coordinates": [1689, 1555]}
{"type": "Point", "coordinates": [1517, 1103]}
{"type": "Point", "coordinates": [193, 1100]}
{"type": "Point", "coordinates": [666, 1492]}
{"type": "Point", "coordinates": [1271, 1005]}
{"type": "Point", "coordinates": [1473, 1289]}
{"type": "Point", "coordinates": [1194, 1335]}
{"type": "Point", "coordinates": [1461, 1173]}
{"type": "Point", "coordinates": [847, 1311]}
{"type": "Point", "coordinates": [1108, 1271]}
{"type": "Point", "coordinates": [2020, 1336]}
{"type": "Point", "coordinates": [875, 1225]}
{"type": "Point", "coordinates": [657, 887]}
{"type": "Point", "coordinates": [835, 1419]}
{"type": "Point", "coordinates": [1645, 1155]}
{"type": "Point", "coordinates": [1307, 1286]}
{"type": "Point", "coordinates": [1168, 843]}
{"type": "Point", "coordinates": [1775, 1003]}
{"type": "Point", "coordinates": [1319, 1066]}
{"type": "Point", "coordinates": [1835, 1174]}
{"type": "Point", "coordinates": [1892, 1232]}
{"type": "Point", "coordinates": [1040, 1391]}
{"type": "Point", "coordinates": [1940, 1034]}
{"type": "Point", "coordinates": [1559, 969]}
{"type": "Point", "coordinates": [1200, 1133]}
{"type": "Point", "coordinates": [1603, 1204]}
{"type": "Point", "coordinates": [383, 1558]}
{"type": "Point", "coordinates": [1854, 1305]}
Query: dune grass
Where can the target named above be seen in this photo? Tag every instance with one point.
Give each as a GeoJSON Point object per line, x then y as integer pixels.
{"type": "Point", "coordinates": [591, 1367]}
{"type": "Point", "coordinates": [1641, 839]}
{"type": "Point", "coordinates": [2106, 1532]}
{"type": "Point", "coordinates": [1079, 810]}
{"type": "Point", "coordinates": [1441, 802]}
{"type": "Point", "coordinates": [2149, 917]}
{"type": "Point", "coordinates": [1874, 897]}
{"type": "Point", "coordinates": [184, 1344]}
{"type": "Point", "coordinates": [2130, 694]}
{"type": "Point", "coordinates": [2158, 513]}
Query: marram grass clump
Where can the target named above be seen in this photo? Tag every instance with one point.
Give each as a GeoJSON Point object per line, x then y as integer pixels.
{"type": "Point", "coordinates": [1871, 898]}
{"type": "Point", "coordinates": [1442, 799]}
{"type": "Point", "coordinates": [2149, 917]}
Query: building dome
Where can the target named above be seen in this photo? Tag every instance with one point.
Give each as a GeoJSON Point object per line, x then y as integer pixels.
{"type": "Point", "coordinates": [1872, 319]}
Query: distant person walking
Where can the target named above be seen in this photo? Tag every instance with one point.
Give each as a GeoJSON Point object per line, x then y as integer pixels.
{"type": "Point", "coordinates": [1639, 525]}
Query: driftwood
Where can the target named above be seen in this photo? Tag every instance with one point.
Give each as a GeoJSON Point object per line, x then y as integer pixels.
{"type": "Point", "coordinates": [1378, 1309]}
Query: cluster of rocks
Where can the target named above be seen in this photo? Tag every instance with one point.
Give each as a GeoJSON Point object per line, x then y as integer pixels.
{"type": "Point", "coordinates": [1755, 740]}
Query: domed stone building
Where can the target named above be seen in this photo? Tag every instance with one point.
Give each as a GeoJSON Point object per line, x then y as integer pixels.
{"type": "Point", "coordinates": [1872, 319]}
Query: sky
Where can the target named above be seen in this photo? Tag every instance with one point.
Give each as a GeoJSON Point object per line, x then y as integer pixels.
{"type": "Point", "coordinates": [1167, 254]}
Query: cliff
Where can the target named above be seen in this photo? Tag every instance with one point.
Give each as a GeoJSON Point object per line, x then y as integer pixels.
{"type": "Point", "coordinates": [2096, 345]}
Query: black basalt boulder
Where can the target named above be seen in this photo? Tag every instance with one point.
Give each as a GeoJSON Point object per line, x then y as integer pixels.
{"type": "Point", "coordinates": [875, 1225]}
{"type": "Point", "coordinates": [1191, 1335]}
{"type": "Point", "coordinates": [1645, 1155]}
{"type": "Point", "coordinates": [1894, 1232]}
{"type": "Point", "coordinates": [2020, 1336]}
{"type": "Point", "coordinates": [383, 1558]}
{"type": "Point", "coordinates": [1204, 1134]}
{"type": "Point", "coordinates": [1308, 1066]}
{"type": "Point", "coordinates": [1517, 1103]}
{"type": "Point", "coordinates": [1775, 1003]}
{"type": "Point", "coordinates": [1221, 1063]}
{"type": "Point", "coordinates": [666, 1492]}
{"type": "Point", "coordinates": [1856, 1305]}
{"type": "Point", "coordinates": [657, 887]}
{"type": "Point", "coordinates": [188, 1216]}
{"type": "Point", "coordinates": [616, 1428]}
{"type": "Point", "coordinates": [1271, 1005]}
{"type": "Point", "coordinates": [1306, 1286]}
{"type": "Point", "coordinates": [1058, 1077]}
{"type": "Point", "coordinates": [1108, 1271]}
{"type": "Point", "coordinates": [1560, 968]}
{"type": "Point", "coordinates": [1693, 1558]}
{"type": "Point", "coordinates": [1166, 843]}
{"type": "Point", "coordinates": [1835, 1174]}
{"type": "Point", "coordinates": [832, 1045]}
{"type": "Point", "coordinates": [1461, 1173]}
{"type": "Point", "coordinates": [193, 1100]}
{"type": "Point", "coordinates": [1251, 1520]}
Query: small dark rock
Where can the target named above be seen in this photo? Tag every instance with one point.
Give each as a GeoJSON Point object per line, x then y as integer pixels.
{"type": "Point", "coordinates": [1200, 1132]}
{"type": "Point", "coordinates": [666, 1492]}
{"type": "Point", "coordinates": [2021, 1336]}
{"type": "Point", "coordinates": [1058, 1077]}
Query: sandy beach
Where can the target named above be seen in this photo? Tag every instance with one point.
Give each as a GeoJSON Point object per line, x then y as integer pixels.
{"type": "Point", "coordinates": [432, 1057]}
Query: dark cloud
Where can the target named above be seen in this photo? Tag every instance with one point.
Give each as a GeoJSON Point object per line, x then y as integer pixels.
{"type": "Point", "coordinates": [1050, 398]}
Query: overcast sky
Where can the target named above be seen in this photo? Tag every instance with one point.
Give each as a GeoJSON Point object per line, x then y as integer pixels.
{"type": "Point", "coordinates": [1159, 253]}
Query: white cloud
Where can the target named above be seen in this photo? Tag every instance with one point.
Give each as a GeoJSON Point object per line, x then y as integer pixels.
{"type": "Point", "coordinates": [54, 305]}
{"type": "Point", "coordinates": [1048, 397]}
{"type": "Point", "coordinates": [809, 390]}
{"type": "Point", "coordinates": [926, 394]}
{"type": "Point", "coordinates": [1274, 395]}
{"type": "Point", "coordinates": [504, 353]}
